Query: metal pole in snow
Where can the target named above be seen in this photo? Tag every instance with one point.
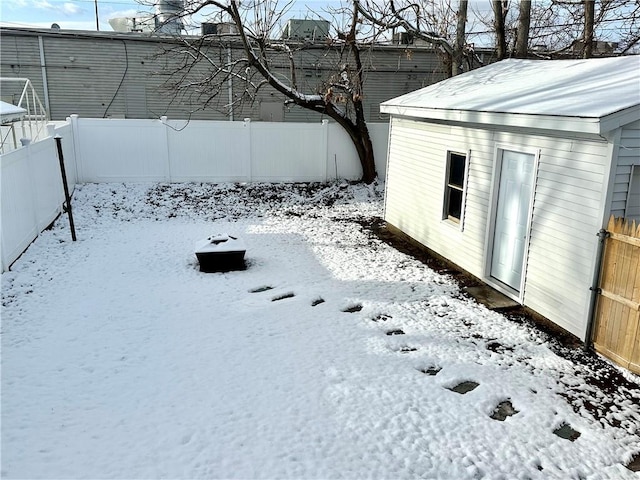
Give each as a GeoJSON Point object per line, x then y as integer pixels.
{"type": "Point", "coordinates": [595, 290]}
{"type": "Point", "coordinates": [67, 198]}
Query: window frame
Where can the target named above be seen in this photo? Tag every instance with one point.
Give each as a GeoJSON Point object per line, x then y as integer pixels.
{"type": "Point", "coordinates": [449, 186]}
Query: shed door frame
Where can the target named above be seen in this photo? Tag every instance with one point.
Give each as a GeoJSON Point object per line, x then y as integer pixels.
{"type": "Point", "coordinates": [518, 294]}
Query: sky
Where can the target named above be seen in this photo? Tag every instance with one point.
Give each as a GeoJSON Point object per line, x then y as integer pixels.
{"type": "Point", "coordinates": [333, 355]}
{"type": "Point", "coordinates": [81, 14]}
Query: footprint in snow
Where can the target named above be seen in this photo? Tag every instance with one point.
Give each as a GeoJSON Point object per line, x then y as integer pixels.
{"type": "Point", "coordinates": [403, 348]}
{"type": "Point", "coordinates": [464, 387]}
{"type": "Point", "coordinates": [352, 308]}
{"type": "Point", "coordinates": [317, 302]}
{"type": "Point", "coordinates": [431, 370]}
{"type": "Point", "coordinates": [503, 410]}
{"type": "Point", "coordinates": [283, 296]}
{"type": "Point", "coordinates": [263, 288]}
{"type": "Point", "coordinates": [395, 331]}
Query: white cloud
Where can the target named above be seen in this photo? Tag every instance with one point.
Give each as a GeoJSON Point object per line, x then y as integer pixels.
{"type": "Point", "coordinates": [71, 9]}
{"type": "Point", "coordinates": [124, 13]}
{"type": "Point", "coordinates": [15, 4]}
{"type": "Point", "coordinates": [67, 8]}
{"type": "Point", "coordinates": [43, 5]}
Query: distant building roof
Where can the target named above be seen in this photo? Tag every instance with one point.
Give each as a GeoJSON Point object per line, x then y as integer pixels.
{"type": "Point", "coordinates": [584, 89]}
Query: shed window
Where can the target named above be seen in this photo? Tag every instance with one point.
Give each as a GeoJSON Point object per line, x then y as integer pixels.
{"type": "Point", "coordinates": [455, 185]}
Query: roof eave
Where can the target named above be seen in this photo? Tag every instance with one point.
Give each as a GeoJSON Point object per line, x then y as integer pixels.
{"type": "Point", "coordinates": [615, 120]}
{"type": "Point", "coordinates": [519, 120]}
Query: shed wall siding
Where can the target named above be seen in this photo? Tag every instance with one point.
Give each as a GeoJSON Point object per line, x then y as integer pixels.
{"type": "Point", "coordinates": [633, 202]}
{"type": "Point", "coordinates": [628, 156]}
{"type": "Point", "coordinates": [566, 210]}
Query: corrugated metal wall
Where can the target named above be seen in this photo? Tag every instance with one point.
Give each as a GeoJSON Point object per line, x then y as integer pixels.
{"type": "Point", "coordinates": [20, 58]}
{"type": "Point", "coordinates": [100, 75]}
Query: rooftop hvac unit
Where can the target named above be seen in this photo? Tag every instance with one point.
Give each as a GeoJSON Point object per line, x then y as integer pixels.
{"type": "Point", "coordinates": [222, 28]}
{"type": "Point", "coordinates": [306, 30]}
{"type": "Point", "coordinates": [226, 28]}
{"type": "Point", "coordinates": [402, 38]}
{"type": "Point", "coordinates": [208, 29]}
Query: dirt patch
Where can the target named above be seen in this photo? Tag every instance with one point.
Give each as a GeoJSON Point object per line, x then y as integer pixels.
{"type": "Point", "coordinates": [634, 463]}
{"type": "Point", "coordinates": [565, 431]}
{"type": "Point", "coordinates": [503, 410]}
{"type": "Point", "coordinates": [497, 347]}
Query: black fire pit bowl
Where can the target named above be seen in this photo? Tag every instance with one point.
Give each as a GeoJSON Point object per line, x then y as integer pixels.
{"type": "Point", "coordinates": [221, 253]}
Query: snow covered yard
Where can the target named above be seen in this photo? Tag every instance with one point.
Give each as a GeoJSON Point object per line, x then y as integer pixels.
{"type": "Point", "coordinates": [333, 355]}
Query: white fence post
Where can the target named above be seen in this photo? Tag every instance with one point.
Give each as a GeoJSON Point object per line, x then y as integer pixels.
{"type": "Point", "coordinates": [249, 160]}
{"type": "Point", "coordinates": [75, 133]}
{"type": "Point", "coordinates": [167, 150]}
{"type": "Point", "coordinates": [325, 146]}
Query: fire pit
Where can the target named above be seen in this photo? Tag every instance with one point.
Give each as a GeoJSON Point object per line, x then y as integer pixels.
{"type": "Point", "coordinates": [221, 253]}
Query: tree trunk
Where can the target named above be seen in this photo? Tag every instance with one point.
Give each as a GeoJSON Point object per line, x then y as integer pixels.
{"type": "Point", "coordinates": [358, 131]}
{"type": "Point", "coordinates": [589, 18]}
{"type": "Point", "coordinates": [500, 31]}
{"type": "Point", "coordinates": [359, 135]}
{"type": "Point", "coordinates": [524, 21]}
{"type": "Point", "coordinates": [361, 139]}
{"type": "Point", "coordinates": [458, 49]}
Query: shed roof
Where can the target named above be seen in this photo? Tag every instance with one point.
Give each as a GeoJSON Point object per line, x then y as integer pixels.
{"type": "Point", "coordinates": [582, 92]}
{"type": "Point", "coordinates": [10, 113]}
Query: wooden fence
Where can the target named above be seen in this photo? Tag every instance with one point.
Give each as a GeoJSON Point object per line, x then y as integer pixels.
{"type": "Point", "coordinates": [617, 327]}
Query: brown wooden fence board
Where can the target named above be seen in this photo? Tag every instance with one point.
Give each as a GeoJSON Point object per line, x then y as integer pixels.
{"type": "Point", "coordinates": [617, 329]}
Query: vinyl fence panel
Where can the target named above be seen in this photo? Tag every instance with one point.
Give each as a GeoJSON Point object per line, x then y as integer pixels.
{"type": "Point", "coordinates": [296, 153]}
{"type": "Point", "coordinates": [32, 196]}
{"type": "Point", "coordinates": [116, 150]}
{"type": "Point", "coordinates": [204, 151]}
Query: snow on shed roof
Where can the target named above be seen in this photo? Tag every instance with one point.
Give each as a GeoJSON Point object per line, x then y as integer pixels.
{"type": "Point", "coordinates": [592, 88]}
{"type": "Point", "coordinates": [10, 113]}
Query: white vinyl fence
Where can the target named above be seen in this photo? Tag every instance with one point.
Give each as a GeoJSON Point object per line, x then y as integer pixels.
{"type": "Point", "coordinates": [112, 150]}
{"type": "Point", "coordinates": [118, 150]}
{"type": "Point", "coordinates": [32, 191]}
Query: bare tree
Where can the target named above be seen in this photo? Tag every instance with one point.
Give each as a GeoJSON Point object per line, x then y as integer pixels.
{"type": "Point", "coordinates": [253, 58]}
{"type": "Point", "coordinates": [458, 50]}
{"type": "Point", "coordinates": [500, 9]}
{"type": "Point", "coordinates": [589, 19]}
{"type": "Point", "coordinates": [564, 27]}
{"type": "Point", "coordinates": [522, 34]}
{"type": "Point", "coordinates": [438, 23]}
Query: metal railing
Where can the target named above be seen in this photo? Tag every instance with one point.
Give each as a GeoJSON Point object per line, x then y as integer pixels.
{"type": "Point", "coordinates": [33, 124]}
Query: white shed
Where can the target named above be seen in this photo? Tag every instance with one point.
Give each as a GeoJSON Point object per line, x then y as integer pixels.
{"type": "Point", "coordinates": [510, 171]}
